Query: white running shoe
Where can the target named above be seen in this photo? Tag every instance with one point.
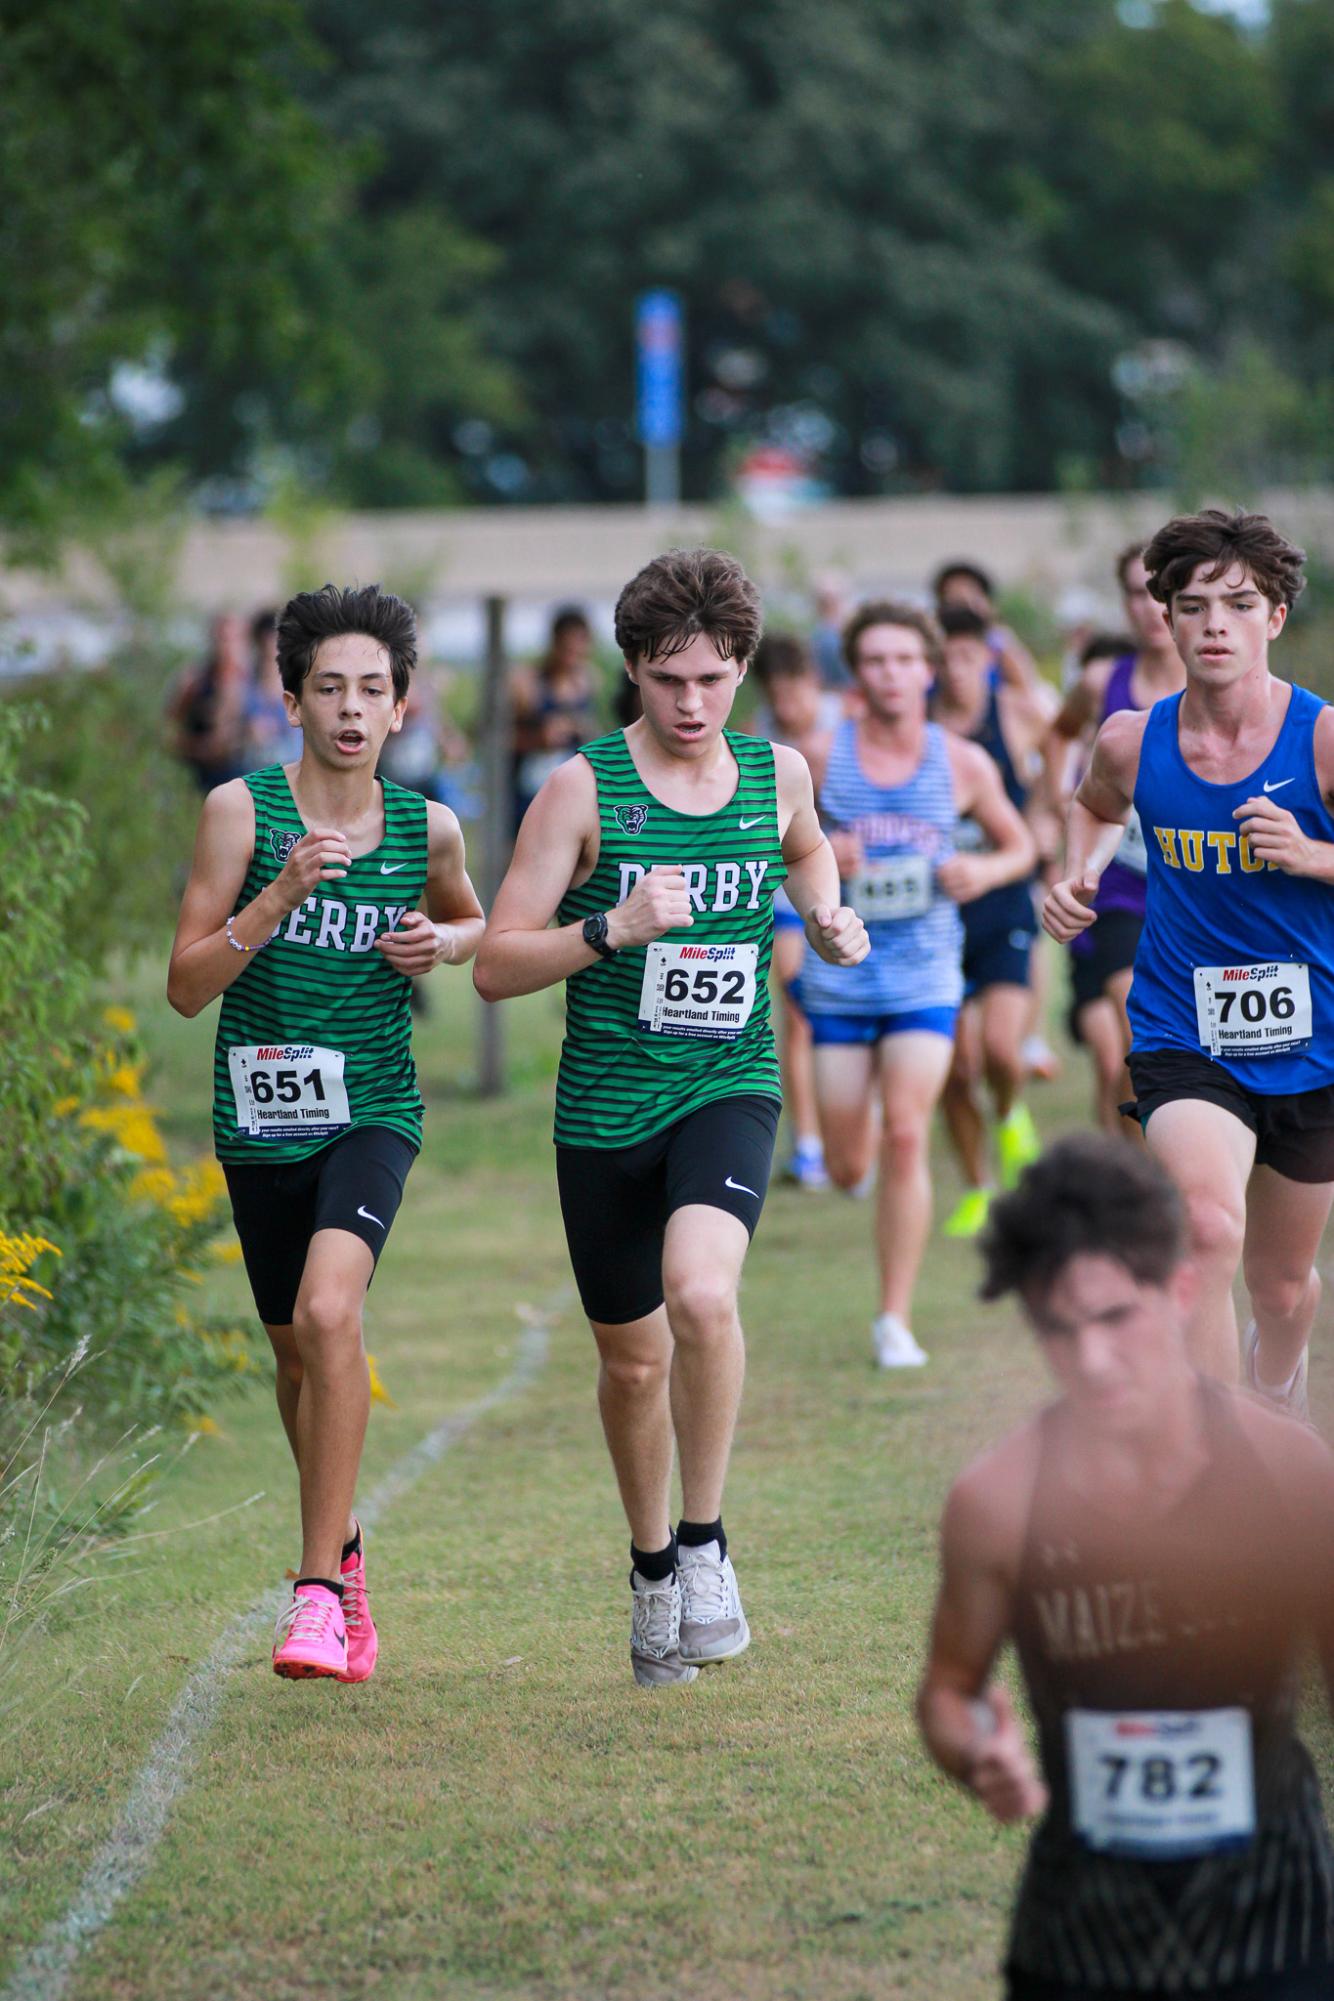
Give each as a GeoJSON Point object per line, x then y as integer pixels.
{"type": "Point", "coordinates": [894, 1345]}
{"type": "Point", "coordinates": [655, 1633]}
{"type": "Point", "coordinates": [1292, 1401]}
{"type": "Point", "coordinates": [713, 1625]}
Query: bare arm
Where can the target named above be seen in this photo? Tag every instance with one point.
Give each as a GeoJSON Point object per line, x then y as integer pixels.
{"type": "Point", "coordinates": [204, 961]}
{"type": "Point", "coordinates": [834, 931]}
{"type": "Point", "coordinates": [1277, 836]}
{"type": "Point", "coordinates": [557, 847]}
{"type": "Point", "coordinates": [967, 1720]}
{"type": "Point", "coordinates": [979, 791]}
{"type": "Point", "coordinates": [448, 931]}
{"type": "Point", "coordinates": [1098, 815]}
{"type": "Point", "coordinates": [1073, 719]}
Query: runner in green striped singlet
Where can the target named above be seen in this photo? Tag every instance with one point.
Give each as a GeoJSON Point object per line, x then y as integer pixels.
{"type": "Point", "coordinates": [656, 853]}
{"type": "Point", "coordinates": [318, 893]}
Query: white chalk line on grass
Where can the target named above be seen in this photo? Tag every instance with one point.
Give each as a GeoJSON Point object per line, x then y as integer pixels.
{"type": "Point", "coordinates": [44, 1972]}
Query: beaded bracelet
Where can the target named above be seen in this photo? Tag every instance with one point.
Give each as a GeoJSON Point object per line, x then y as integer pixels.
{"type": "Point", "coordinates": [236, 943]}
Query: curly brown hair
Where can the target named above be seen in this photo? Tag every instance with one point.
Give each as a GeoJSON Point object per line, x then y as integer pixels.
{"type": "Point", "coordinates": [1088, 1196]}
{"type": "Point", "coordinates": [1224, 540]}
{"type": "Point", "coordinates": [889, 611]}
{"type": "Point", "coordinates": [685, 593]}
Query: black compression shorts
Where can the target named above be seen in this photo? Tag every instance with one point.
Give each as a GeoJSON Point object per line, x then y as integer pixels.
{"type": "Point", "coordinates": [616, 1200]}
{"type": "Point", "coordinates": [355, 1184]}
{"type": "Point", "coordinates": [1294, 1130]}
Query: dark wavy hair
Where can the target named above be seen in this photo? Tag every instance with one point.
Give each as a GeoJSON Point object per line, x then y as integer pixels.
{"type": "Point", "coordinates": [1223, 540]}
{"type": "Point", "coordinates": [311, 617]}
{"type": "Point", "coordinates": [1089, 1195]}
{"type": "Point", "coordinates": [683, 594]}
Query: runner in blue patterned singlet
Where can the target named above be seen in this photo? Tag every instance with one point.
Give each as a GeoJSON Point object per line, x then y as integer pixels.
{"type": "Point", "coordinates": [656, 853]}
{"type": "Point", "coordinates": [1160, 1552]}
{"type": "Point", "coordinates": [303, 912]}
{"type": "Point", "coordinates": [1102, 958]}
{"type": "Point", "coordinates": [892, 787]}
{"type": "Point", "coordinates": [998, 929]}
{"type": "Point", "coordinates": [1232, 1006]}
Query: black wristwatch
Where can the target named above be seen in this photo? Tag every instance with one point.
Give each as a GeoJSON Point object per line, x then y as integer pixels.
{"type": "Point", "coordinates": [595, 934]}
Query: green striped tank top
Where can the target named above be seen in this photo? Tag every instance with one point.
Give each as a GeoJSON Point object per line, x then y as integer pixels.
{"type": "Point", "coordinates": [315, 1037]}
{"type": "Point", "coordinates": [662, 1029]}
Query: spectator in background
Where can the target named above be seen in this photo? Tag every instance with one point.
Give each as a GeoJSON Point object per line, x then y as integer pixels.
{"type": "Point", "coordinates": [553, 706]}
{"type": "Point", "coordinates": [270, 736]}
{"type": "Point", "coordinates": [831, 613]}
{"type": "Point", "coordinates": [207, 710]}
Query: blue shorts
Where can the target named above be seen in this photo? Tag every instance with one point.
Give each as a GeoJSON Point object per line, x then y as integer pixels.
{"type": "Point", "coordinates": [864, 1030]}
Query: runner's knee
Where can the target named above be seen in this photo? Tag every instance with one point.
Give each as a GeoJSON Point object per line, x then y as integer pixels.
{"type": "Point", "coordinates": [1279, 1291]}
{"type": "Point", "coordinates": [1217, 1228]}
{"type": "Point", "coordinates": [323, 1322]}
{"type": "Point", "coordinates": [903, 1145]}
{"type": "Point", "coordinates": [700, 1304]}
{"type": "Point", "coordinates": [633, 1371]}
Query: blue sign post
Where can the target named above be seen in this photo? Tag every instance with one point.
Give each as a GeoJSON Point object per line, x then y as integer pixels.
{"type": "Point", "coordinates": [660, 387]}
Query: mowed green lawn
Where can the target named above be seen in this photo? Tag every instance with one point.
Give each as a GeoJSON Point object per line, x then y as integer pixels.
{"type": "Point", "coordinates": [501, 1812]}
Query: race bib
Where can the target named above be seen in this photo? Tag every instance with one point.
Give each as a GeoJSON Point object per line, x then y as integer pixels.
{"type": "Point", "coordinates": [1253, 1010]}
{"type": "Point", "coordinates": [1132, 853]}
{"type": "Point", "coordinates": [1162, 1785]}
{"type": "Point", "coordinates": [895, 887]}
{"type": "Point", "coordinates": [284, 1091]}
{"type": "Point", "coordinates": [700, 990]}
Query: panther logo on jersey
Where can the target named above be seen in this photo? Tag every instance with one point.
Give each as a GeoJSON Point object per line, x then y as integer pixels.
{"type": "Point", "coordinates": [282, 844]}
{"type": "Point", "coordinates": [630, 819]}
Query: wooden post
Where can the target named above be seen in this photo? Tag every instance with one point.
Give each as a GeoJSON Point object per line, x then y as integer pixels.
{"type": "Point", "coordinates": [494, 758]}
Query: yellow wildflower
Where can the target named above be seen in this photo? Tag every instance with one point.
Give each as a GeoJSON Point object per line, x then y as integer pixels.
{"type": "Point", "coordinates": [154, 1184]}
{"type": "Point", "coordinates": [228, 1254]}
{"type": "Point", "coordinates": [64, 1106]}
{"type": "Point", "coordinates": [379, 1394]}
{"type": "Point", "coordinates": [120, 1019]}
{"type": "Point", "coordinates": [125, 1078]}
{"type": "Point", "coordinates": [131, 1126]}
{"type": "Point", "coordinates": [201, 1427]}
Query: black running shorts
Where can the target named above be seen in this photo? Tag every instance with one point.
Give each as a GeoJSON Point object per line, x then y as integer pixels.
{"type": "Point", "coordinates": [1110, 945]}
{"type": "Point", "coordinates": [354, 1184]}
{"type": "Point", "coordinates": [616, 1200]}
{"type": "Point", "coordinates": [1311, 1985]}
{"type": "Point", "coordinates": [1294, 1130]}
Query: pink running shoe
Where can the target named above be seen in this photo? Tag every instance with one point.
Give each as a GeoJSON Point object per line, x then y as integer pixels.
{"type": "Point", "coordinates": [363, 1642]}
{"type": "Point", "coordinates": [310, 1637]}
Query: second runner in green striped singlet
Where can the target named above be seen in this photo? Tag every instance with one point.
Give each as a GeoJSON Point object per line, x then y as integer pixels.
{"type": "Point", "coordinates": [666, 1027]}
{"type": "Point", "coordinates": [643, 877]}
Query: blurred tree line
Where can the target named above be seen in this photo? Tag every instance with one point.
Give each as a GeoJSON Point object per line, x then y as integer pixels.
{"type": "Point", "coordinates": [392, 253]}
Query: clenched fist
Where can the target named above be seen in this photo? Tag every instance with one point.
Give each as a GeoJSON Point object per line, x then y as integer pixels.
{"type": "Point", "coordinates": [322, 855]}
{"type": "Point", "coordinates": [1066, 911]}
{"type": "Point", "coordinates": [658, 903]}
{"type": "Point", "coordinates": [839, 936]}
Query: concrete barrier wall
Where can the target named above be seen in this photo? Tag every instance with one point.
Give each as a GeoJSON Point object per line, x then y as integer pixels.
{"type": "Point", "coordinates": [1047, 543]}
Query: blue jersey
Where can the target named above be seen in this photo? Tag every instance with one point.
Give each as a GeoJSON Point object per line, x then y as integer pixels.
{"type": "Point", "coordinates": [1236, 959]}
{"type": "Point", "coordinates": [905, 832]}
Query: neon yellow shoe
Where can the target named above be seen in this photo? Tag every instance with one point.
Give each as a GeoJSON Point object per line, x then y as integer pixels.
{"type": "Point", "coordinates": [1017, 1143]}
{"type": "Point", "coordinates": [970, 1214]}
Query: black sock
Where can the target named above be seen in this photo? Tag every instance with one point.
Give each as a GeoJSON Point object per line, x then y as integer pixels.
{"type": "Point", "coordinates": [692, 1534]}
{"type": "Point", "coordinates": [655, 1566]}
{"type": "Point", "coordinates": [326, 1582]}
{"type": "Point", "coordinates": [353, 1548]}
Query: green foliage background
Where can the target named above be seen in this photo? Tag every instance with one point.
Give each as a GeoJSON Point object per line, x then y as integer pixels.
{"type": "Point", "coordinates": [393, 251]}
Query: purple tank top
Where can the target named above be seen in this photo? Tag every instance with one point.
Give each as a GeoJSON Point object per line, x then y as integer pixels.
{"type": "Point", "coordinates": [1123, 879]}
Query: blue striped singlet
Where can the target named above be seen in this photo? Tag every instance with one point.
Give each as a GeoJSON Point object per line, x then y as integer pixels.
{"type": "Point", "coordinates": [1236, 960]}
{"type": "Point", "coordinates": [905, 831]}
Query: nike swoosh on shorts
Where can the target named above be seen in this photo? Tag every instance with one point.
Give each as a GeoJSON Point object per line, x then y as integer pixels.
{"type": "Point", "coordinates": [367, 1214]}
{"type": "Point", "coordinates": [1278, 786]}
{"type": "Point", "coordinates": [741, 1188]}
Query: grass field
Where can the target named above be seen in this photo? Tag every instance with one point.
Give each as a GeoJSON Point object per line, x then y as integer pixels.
{"type": "Point", "coordinates": [500, 1812]}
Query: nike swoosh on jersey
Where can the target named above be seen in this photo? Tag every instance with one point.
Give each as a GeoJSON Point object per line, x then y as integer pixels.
{"type": "Point", "coordinates": [1278, 785]}
{"type": "Point", "coordinates": [391, 868]}
{"type": "Point", "coordinates": [741, 1188]}
{"type": "Point", "coordinates": [746, 825]}
{"type": "Point", "coordinates": [367, 1214]}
